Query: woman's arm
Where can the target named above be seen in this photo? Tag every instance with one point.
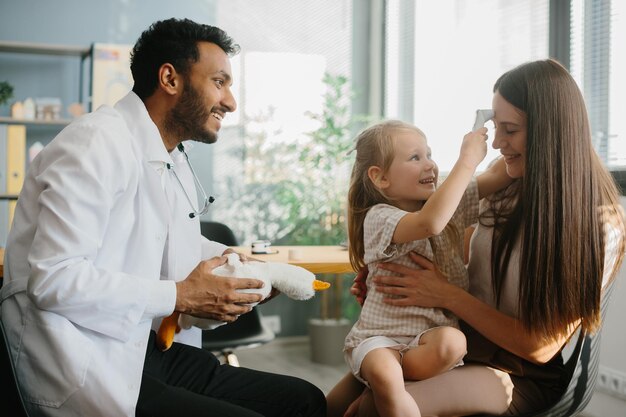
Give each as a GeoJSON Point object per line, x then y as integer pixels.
{"type": "Point", "coordinates": [494, 179]}
{"type": "Point", "coordinates": [429, 288]}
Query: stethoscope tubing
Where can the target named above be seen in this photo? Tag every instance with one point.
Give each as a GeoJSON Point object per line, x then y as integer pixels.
{"type": "Point", "coordinates": [207, 200]}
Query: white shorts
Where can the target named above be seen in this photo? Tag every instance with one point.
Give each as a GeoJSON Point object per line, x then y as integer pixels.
{"type": "Point", "coordinates": [354, 357]}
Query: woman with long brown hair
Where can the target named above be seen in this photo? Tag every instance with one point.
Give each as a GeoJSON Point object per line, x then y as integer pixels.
{"type": "Point", "coordinates": [544, 249]}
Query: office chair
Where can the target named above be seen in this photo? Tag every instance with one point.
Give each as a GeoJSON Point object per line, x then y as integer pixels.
{"type": "Point", "coordinates": [218, 232]}
{"type": "Point", "coordinates": [12, 400]}
{"type": "Point", "coordinates": [248, 330]}
{"type": "Point", "coordinates": [581, 370]}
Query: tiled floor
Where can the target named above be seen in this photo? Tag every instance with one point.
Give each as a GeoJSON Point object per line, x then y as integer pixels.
{"type": "Point", "coordinates": [291, 356]}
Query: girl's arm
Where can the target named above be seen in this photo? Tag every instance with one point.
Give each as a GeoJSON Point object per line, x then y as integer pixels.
{"type": "Point", "coordinates": [428, 288]}
{"type": "Point", "coordinates": [441, 205]}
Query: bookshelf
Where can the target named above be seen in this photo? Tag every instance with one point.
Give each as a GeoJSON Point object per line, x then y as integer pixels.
{"type": "Point", "coordinates": [81, 52]}
{"type": "Point", "coordinates": [44, 49]}
{"type": "Point", "coordinates": [34, 122]}
{"type": "Point", "coordinates": [13, 156]}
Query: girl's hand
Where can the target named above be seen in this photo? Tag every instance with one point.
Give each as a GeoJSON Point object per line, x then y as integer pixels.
{"type": "Point", "coordinates": [474, 147]}
{"type": "Point", "coordinates": [358, 288]}
{"type": "Point", "coordinates": [426, 287]}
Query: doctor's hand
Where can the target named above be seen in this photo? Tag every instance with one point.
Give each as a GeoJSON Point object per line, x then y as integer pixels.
{"type": "Point", "coordinates": [206, 295]}
{"type": "Point", "coordinates": [245, 258]}
{"type": "Point", "coordinates": [242, 256]}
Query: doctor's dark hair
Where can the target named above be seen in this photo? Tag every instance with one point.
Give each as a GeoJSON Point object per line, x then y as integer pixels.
{"type": "Point", "coordinates": [172, 41]}
{"type": "Point", "coordinates": [560, 208]}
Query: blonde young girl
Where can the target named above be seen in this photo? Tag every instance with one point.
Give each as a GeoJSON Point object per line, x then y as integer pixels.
{"type": "Point", "coordinates": [394, 210]}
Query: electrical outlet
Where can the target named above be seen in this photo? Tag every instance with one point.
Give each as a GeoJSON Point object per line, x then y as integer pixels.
{"type": "Point", "coordinates": [602, 381]}
{"type": "Point", "coordinates": [272, 323]}
{"type": "Point", "coordinates": [612, 382]}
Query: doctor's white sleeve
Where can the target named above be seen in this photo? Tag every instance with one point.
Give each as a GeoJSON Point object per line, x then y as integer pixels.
{"type": "Point", "coordinates": [211, 249]}
{"type": "Point", "coordinates": [86, 264]}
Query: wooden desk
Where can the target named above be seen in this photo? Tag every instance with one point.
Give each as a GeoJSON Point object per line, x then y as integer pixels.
{"type": "Point", "coordinates": [317, 259]}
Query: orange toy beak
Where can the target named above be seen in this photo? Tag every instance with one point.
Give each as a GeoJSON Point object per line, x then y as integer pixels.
{"type": "Point", "coordinates": [320, 285]}
{"type": "Point", "coordinates": [167, 330]}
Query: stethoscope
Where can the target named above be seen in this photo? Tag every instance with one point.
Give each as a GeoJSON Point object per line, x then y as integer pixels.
{"type": "Point", "coordinates": [207, 199]}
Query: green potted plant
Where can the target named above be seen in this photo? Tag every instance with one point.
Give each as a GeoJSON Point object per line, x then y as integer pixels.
{"type": "Point", "coordinates": [6, 92]}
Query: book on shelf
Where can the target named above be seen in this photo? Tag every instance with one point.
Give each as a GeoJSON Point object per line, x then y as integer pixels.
{"type": "Point", "coordinates": [13, 167]}
{"type": "Point", "coordinates": [3, 158]}
{"type": "Point", "coordinates": [4, 204]}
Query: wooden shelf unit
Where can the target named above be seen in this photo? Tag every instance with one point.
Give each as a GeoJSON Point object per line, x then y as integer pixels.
{"type": "Point", "coordinates": [31, 48]}
{"type": "Point", "coordinates": [34, 122]}
{"type": "Point", "coordinates": [44, 49]}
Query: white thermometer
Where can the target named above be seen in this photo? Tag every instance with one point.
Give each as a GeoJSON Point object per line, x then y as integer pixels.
{"type": "Point", "coordinates": [482, 117]}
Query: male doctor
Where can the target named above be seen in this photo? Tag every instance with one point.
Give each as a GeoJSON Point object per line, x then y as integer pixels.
{"type": "Point", "coordinates": [103, 244]}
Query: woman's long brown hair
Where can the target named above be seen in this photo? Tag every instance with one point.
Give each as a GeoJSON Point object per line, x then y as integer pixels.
{"type": "Point", "coordinates": [560, 206]}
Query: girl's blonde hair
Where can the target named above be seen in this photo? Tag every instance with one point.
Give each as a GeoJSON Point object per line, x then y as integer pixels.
{"type": "Point", "coordinates": [374, 147]}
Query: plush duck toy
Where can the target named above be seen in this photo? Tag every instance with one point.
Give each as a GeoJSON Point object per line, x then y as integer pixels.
{"type": "Point", "coordinates": [295, 282]}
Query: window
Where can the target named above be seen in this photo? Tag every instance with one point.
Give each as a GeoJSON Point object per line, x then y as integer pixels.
{"type": "Point", "coordinates": [598, 62]}
{"type": "Point", "coordinates": [279, 170]}
{"type": "Point", "coordinates": [443, 57]}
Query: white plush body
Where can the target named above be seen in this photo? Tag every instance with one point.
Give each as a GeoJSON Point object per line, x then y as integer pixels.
{"type": "Point", "coordinates": [293, 281]}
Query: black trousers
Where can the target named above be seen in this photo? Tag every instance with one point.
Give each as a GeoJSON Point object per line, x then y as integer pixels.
{"type": "Point", "coordinates": [192, 382]}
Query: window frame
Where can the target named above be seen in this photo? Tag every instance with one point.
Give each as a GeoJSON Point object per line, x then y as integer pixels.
{"type": "Point", "coordinates": [559, 48]}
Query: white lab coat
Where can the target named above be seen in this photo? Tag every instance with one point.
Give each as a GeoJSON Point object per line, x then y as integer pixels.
{"type": "Point", "coordinates": [83, 277]}
{"type": "Point", "coordinates": [181, 258]}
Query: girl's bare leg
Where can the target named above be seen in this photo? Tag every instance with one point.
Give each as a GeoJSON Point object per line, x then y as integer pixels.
{"type": "Point", "coordinates": [382, 370]}
{"type": "Point", "coordinates": [438, 351]}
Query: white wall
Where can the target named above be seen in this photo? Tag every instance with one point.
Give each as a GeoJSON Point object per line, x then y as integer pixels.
{"type": "Point", "coordinates": [613, 350]}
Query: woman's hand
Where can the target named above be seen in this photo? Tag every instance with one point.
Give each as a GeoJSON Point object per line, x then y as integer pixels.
{"type": "Point", "coordinates": [426, 287]}
{"type": "Point", "coordinates": [358, 288]}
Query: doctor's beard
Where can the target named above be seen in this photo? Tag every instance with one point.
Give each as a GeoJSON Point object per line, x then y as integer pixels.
{"type": "Point", "coordinates": [188, 118]}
